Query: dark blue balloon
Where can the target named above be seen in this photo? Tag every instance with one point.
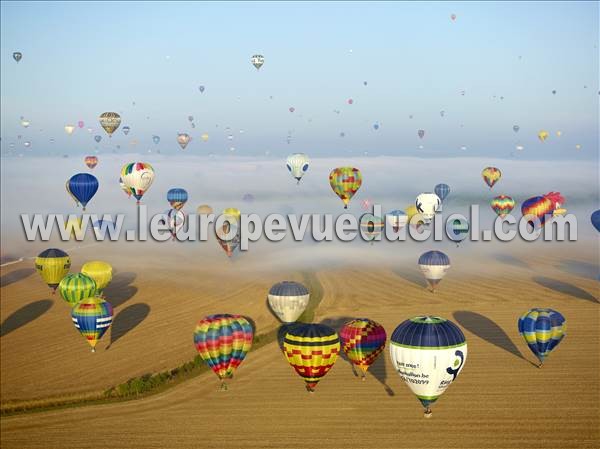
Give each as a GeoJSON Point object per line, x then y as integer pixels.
{"type": "Point", "coordinates": [83, 186]}
{"type": "Point", "coordinates": [596, 220]}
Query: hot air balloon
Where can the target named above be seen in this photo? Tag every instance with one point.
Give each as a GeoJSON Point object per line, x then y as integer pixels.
{"type": "Point", "coordinates": [204, 137]}
{"type": "Point", "coordinates": [502, 205]}
{"type": "Point", "coordinates": [375, 126]}
{"type": "Point", "coordinates": [110, 121]}
{"type": "Point", "coordinates": [100, 272]}
{"type": "Point", "coordinates": [201, 89]}
{"type": "Point", "coordinates": [223, 341]}
{"type": "Point", "coordinates": [25, 123]}
{"type": "Point", "coordinates": [292, 109]}
{"type": "Point", "coordinates": [53, 265]}
{"type": "Point", "coordinates": [83, 187]}
{"type": "Point", "coordinates": [516, 128]}
{"type": "Point", "coordinates": [350, 101]}
{"type": "Point", "coordinates": [397, 219]}
{"type": "Point", "coordinates": [204, 209]}
{"type": "Point", "coordinates": [421, 133]}
{"type": "Point", "coordinates": [177, 198]}
{"type": "Point", "coordinates": [297, 164]}
{"type": "Point", "coordinates": [427, 205]}
{"type": "Point", "coordinates": [543, 135]}
{"type": "Point", "coordinates": [362, 340]}
{"type": "Point", "coordinates": [578, 147]}
{"type": "Point", "coordinates": [491, 175]}
{"type": "Point", "coordinates": [175, 219]}
{"type": "Point", "coordinates": [371, 226]}
{"type": "Point", "coordinates": [554, 92]}
{"type": "Point", "coordinates": [457, 230]}
{"type": "Point", "coordinates": [288, 300]}
{"type": "Point", "coordinates": [345, 182]}
{"type": "Point", "coordinates": [364, 83]}
{"type": "Point", "coordinates": [69, 129]}
{"type": "Point", "coordinates": [257, 61]}
{"type": "Point", "coordinates": [183, 139]}
{"type": "Point", "coordinates": [137, 177]}
{"type": "Point", "coordinates": [97, 138]}
{"type": "Point", "coordinates": [17, 56]}
{"type": "Point", "coordinates": [434, 265]}
{"type": "Point", "coordinates": [541, 207]}
{"type": "Point", "coordinates": [428, 352]}
{"type": "Point", "coordinates": [453, 17]}
{"type": "Point", "coordinates": [248, 198]}
{"type": "Point", "coordinates": [228, 235]}
{"type": "Point", "coordinates": [311, 349]}
{"type": "Point", "coordinates": [442, 191]}
{"type": "Point", "coordinates": [543, 330]}
{"type": "Point", "coordinates": [80, 124]}
{"type": "Point", "coordinates": [155, 139]}
{"type": "Point", "coordinates": [76, 286]}
{"type": "Point", "coordinates": [558, 133]}
{"type": "Point", "coordinates": [126, 130]}
{"type": "Point", "coordinates": [92, 317]}
{"type": "Point", "coordinates": [91, 161]}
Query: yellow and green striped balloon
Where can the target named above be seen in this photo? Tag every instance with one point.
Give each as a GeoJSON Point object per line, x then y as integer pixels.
{"type": "Point", "coordinates": [53, 265]}
{"type": "Point", "coordinates": [76, 286]}
{"type": "Point", "coordinates": [100, 272]}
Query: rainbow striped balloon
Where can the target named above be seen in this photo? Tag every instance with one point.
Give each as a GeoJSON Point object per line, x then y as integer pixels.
{"type": "Point", "coordinates": [223, 341]}
{"type": "Point", "coordinates": [502, 205]}
{"type": "Point", "coordinates": [345, 182]}
{"type": "Point", "coordinates": [311, 349]}
{"type": "Point", "coordinates": [76, 286]}
{"type": "Point", "coordinates": [543, 330]}
{"type": "Point", "coordinates": [363, 340]}
{"type": "Point", "coordinates": [92, 317]}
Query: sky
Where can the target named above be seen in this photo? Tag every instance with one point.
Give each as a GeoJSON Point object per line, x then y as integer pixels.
{"type": "Point", "coordinates": [82, 59]}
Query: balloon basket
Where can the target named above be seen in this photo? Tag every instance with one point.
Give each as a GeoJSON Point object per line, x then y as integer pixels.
{"type": "Point", "coordinates": [223, 386]}
{"type": "Point", "coordinates": [427, 413]}
{"type": "Point", "coordinates": [93, 349]}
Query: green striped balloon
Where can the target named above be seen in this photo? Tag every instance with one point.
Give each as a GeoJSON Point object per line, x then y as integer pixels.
{"type": "Point", "coordinates": [76, 286]}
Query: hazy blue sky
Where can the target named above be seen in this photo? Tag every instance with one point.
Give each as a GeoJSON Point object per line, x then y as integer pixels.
{"type": "Point", "coordinates": [81, 59]}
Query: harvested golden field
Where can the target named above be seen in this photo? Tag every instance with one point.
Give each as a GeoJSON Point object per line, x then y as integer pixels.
{"type": "Point", "coordinates": [501, 399]}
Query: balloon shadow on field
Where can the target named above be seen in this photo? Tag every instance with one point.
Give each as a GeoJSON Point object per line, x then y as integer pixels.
{"type": "Point", "coordinates": [16, 276]}
{"type": "Point", "coordinates": [119, 291]}
{"type": "Point", "coordinates": [126, 320]}
{"type": "Point", "coordinates": [25, 315]}
{"type": "Point", "coordinates": [511, 260]}
{"type": "Point", "coordinates": [564, 288]}
{"type": "Point", "coordinates": [412, 276]}
{"type": "Point", "coordinates": [583, 269]}
{"type": "Point", "coordinates": [378, 369]}
{"type": "Point", "coordinates": [487, 330]}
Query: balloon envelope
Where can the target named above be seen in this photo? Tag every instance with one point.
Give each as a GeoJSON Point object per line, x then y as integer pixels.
{"type": "Point", "coordinates": [76, 286]}
{"type": "Point", "coordinates": [92, 317]}
{"type": "Point", "coordinates": [297, 164]}
{"type": "Point", "coordinates": [110, 121]}
{"type": "Point", "coordinates": [83, 186]}
{"type": "Point", "coordinates": [177, 198]}
{"type": "Point", "coordinates": [53, 265]}
{"type": "Point", "coordinates": [137, 177]}
{"type": "Point", "coordinates": [101, 272]}
{"type": "Point", "coordinates": [223, 341]}
{"type": "Point", "coordinates": [502, 205]}
{"type": "Point", "coordinates": [288, 300]}
{"type": "Point", "coordinates": [434, 265]}
{"type": "Point", "coordinates": [491, 175]}
{"type": "Point", "coordinates": [442, 190]}
{"type": "Point", "coordinates": [595, 218]}
{"type": "Point", "coordinates": [345, 182]}
{"type": "Point", "coordinates": [428, 352]}
{"type": "Point", "coordinates": [362, 340]}
{"type": "Point", "coordinates": [311, 349]}
{"type": "Point", "coordinates": [542, 330]}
